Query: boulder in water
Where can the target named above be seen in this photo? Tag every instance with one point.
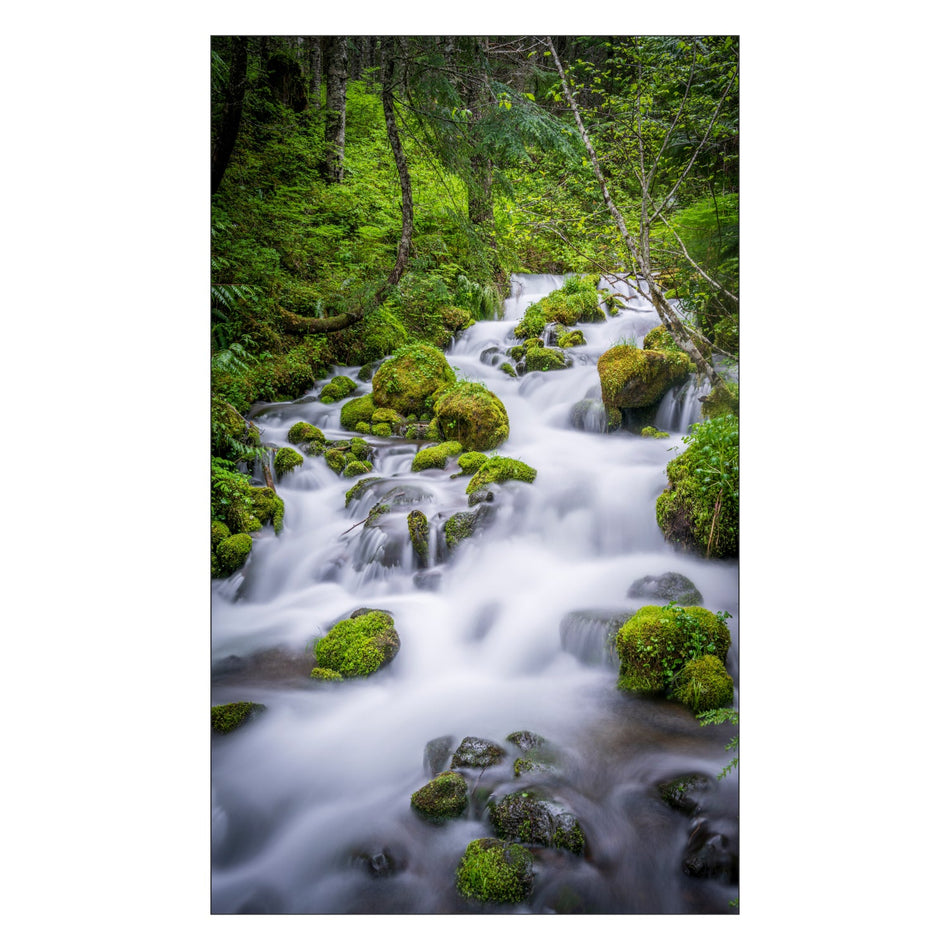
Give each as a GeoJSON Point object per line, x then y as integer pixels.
{"type": "Point", "coordinates": [711, 853]}
{"type": "Point", "coordinates": [356, 411]}
{"type": "Point", "coordinates": [436, 755]}
{"type": "Point", "coordinates": [631, 378]}
{"type": "Point", "coordinates": [304, 432]}
{"type": "Point", "coordinates": [498, 470]}
{"type": "Point", "coordinates": [473, 415]}
{"type": "Point", "coordinates": [529, 817]}
{"type": "Point", "coordinates": [230, 554]}
{"type": "Point", "coordinates": [229, 716]}
{"type": "Point", "coordinates": [419, 536]}
{"type": "Point", "coordinates": [446, 796]}
{"type": "Point", "coordinates": [359, 645]}
{"type": "Point", "coordinates": [338, 388]}
{"type": "Point", "coordinates": [406, 381]}
{"type": "Point", "coordinates": [544, 358]}
{"type": "Point", "coordinates": [475, 753]}
{"type": "Point", "coordinates": [704, 684]}
{"type": "Point", "coordinates": [686, 793]}
{"type": "Point", "coordinates": [463, 524]}
{"type": "Point", "coordinates": [285, 460]}
{"type": "Point", "coordinates": [436, 456]}
{"type": "Point", "coordinates": [589, 415]}
{"type": "Point", "coordinates": [495, 871]}
{"type": "Point", "coordinates": [663, 588]}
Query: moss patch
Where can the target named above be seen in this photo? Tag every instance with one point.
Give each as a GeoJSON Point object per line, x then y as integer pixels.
{"type": "Point", "coordinates": [704, 684]}
{"type": "Point", "coordinates": [338, 388]}
{"type": "Point", "coordinates": [356, 411]}
{"type": "Point", "coordinates": [227, 717]}
{"type": "Point", "coordinates": [473, 415]}
{"type": "Point", "coordinates": [631, 378]}
{"type": "Point", "coordinates": [304, 432]}
{"type": "Point", "coordinates": [359, 645]}
{"type": "Point", "coordinates": [231, 553]}
{"type": "Point", "coordinates": [285, 460]}
{"type": "Point", "coordinates": [406, 381]}
{"type": "Point", "coordinates": [491, 870]}
{"type": "Point", "coordinates": [446, 796]}
{"type": "Point", "coordinates": [500, 469]}
{"type": "Point", "coordinates": [435, 456]}
{"type": "Point", "coordinates": [541, 359]}
{"type": "Point", "coordinates": [419, 536]}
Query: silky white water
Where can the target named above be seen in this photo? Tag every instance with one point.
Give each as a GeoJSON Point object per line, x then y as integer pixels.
{"type": "Point", "coordinates": [312, 798]}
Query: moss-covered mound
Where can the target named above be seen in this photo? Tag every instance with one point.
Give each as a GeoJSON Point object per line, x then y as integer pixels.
{"type": "Point", "coordinates": [722, 401]}
{"type": "Point", "coordinates": [699, 510]}
{"type": "Point", "coordinates": [657, 642]}
{"type": "Point", "coordinates": [356, 411]}
{"type": "Point", "coordinates": [578, 301]}
{"type": "Point", "coordinates": [304, 432]}
{"type": "Point", "coordinates": [446, 796]}
{"type": "Point", "coordinates": [649, 432]}
{"type": "Point", "coordinates": [436, 456]}
{"type": "Point", "coordinates": [230, 554]}
{"type": "Point", "coordinates": [359, 645]}
{"type": "Point", "coordinates": [500, 469]}
{"type": "Point", "coordinates": [406, 381]}
{"type": "Point", "coordinates": [473, 415]}
{"type": "Point", "coordinates": [492, 870]}
{"type": "Point", "coordinates": [320, 673]}
{"type": "Point", "coordinates": [463, 524]}
{"type": "Point", "coordinates": [229, 716]}
{"type": "Point", "coordinates": [541, 359]}
{"type": "Point", "coordinates": [571, 338]}
{"type": "Point", "coordinates": [338, 388]}
{"type": "Point", "coordinates": [704, 684]}
{"type": "Point", "coordinates": [659, 338]}
{"type": "Point", "coordinates": [471, 462]}
{"type": "Point", "coordinates": [419, 536]}
{"type": "Point", "coordinates": [529, 817]}
{"type": "Point", "coordinates": [285, 460]}
{"type": "Point", "coordinates": [349, 457]}
{"type": "Point", "coordinates": [631, 378]}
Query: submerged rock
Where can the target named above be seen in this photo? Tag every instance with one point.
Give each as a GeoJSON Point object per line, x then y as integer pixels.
{"type": "Point", "coordinates": [590, 635]}
{"type": "Point", "coordinates": [477, 753]}
{"type": "Point", "coordinates": [446, 796]}
{"type": "Point", "coordinates": [710, 853]}
{"type": "Point", "coordinates": [406, 381]}
{"type": "Point", "coordinates": [437, 754]}
{"type": "Point", "coordinates": [230, 716]}
{"type": "Point", "coordinates": [473, 415]}
{"type": "Point", "coordinates": [663, 588]}
{"type": "Point", "coordinates": [496, 871]}
{"type": "Point", "coordinates": [686, 793]}
{"type": "Point", "coordinates": [529, 817]}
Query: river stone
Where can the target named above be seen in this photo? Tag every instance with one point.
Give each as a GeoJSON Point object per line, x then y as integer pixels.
{"type": "Point", "coordinates": [446, 796]}
{"type": "Point", "coordinates": [437, 754]}
{"type": "Point", "coordinates": [589, 415]}
{"type": "Point", "coordinates": [667, 587]}
{"type": "Point", "coordinates": [710, 853]}
{"type": "Point", "coordinates": [427, 580]}
{"type": "Point", "coordinates": [380, 862]}
{"type": "Point", "coordinates": [477, 753]}
{"type": "Point", "coordinates": [686, 793]}
{"type": "Point", "coordinates": [528, 817]}
{"type": "Point", "coordinates": [496, 871]}
{"type": "Point", "coordinates": [589, 635]}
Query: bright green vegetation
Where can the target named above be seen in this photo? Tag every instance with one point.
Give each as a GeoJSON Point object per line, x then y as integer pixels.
{"type": "Point", "coordinates": [722, 402]}
{"type": "Point", "coordinates": [230, 554]}
{"type": "Point", "coordinates": [356, 468]}
{"type": "Point", "coordinates": [406, 381]}
{"type": "Point", "coordinates": [359, 645]}
{"type": "Point", "coordinates": [460, 526]}
{"type": "Point", "coordinates": [656, 643]}
{"type": "Point", "coordinates": [473, 415]}
{"type": "Point", "coordinates": [578, 301]}
{"type": "Point", "coordinates": [419, 536]}
{"type": "Point", "coordinates": [700, 508]}
{"type": "Point", "coordinates": [631, 378]}
{"type": "Point", "coordinates": [357, 411]}
{"type": "Point", "coordinates": [304, 432]}
{"type": "Point", "coordinates": [717, 717]}
{"type": "Point", "coordinates": [232, 437]}
{"type": "Point", "coordinates": [446, 796]}
{"type": "Point", "coordinates": [320, 673]}
{"type": "Point", "coordinates": [471, 462]}
{"type": "Point", "coordinates": [229, 716]}
{"type": "Point", "coordinates": [650, 432]}
{"type": "Point", "coordinates": [338, 388]}
{"type": "Point", "coordinates": [436, 456]}
{"type": "Point", "coordinates": [286, 459]}
{"type": "Point", "coordinates": [704, 684]}
{"type": "Point", "coordinates": [659, 338]}
{"type": "Point", "coordinates": [571, 338]}
{"type": "Point", "coordinates": [499, 469]}
{"type": "Point", "coordinates": [493, 870]}
{"type": "Point", "coordinates": [544, 358]}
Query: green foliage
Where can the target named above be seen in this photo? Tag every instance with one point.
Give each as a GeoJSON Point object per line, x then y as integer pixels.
{"type": "Point", "coordinates": [493, 870]}
{"type": "Point", "coordinates": [227, 717]}
{"type": "Point", "coordinates": [499, 469]}
{"type": "Point", "coordinates": [436, 456]}
{"type": "Point", "coordinates": [718, 717]}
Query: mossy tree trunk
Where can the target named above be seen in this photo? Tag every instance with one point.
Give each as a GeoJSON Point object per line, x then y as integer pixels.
{"type": "Point", "coordinates": [233, 108]}
{"type": "Point", "coordinates": [388, 52]}
{"type": "Point", "coordinates": [335, 64]}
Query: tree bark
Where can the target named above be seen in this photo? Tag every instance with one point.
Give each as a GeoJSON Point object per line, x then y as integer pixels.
{"type": "Point", "coordinates": [233, 107]}
{"type": "Point", "coordinates": [315, 58]}
{"type": "Point", "coordinates": [405, 183]}
{"type": "Point", "coordinates": [335, 128]}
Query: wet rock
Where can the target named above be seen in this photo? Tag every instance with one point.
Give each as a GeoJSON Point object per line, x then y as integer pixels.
{"type": "Point", "coordinates": [529, 817]}
{"type": "Point", "coordinates": [480, 496]}
{"type": "Point", "coordinates": [538, 754]}
{"type": "Point", "coordinates": [464, 524]}
{"type": "Point", "coordinates": [419, 536]}
{"type": "Point", "coordinates": [590, 635]}
{"type": "Point", "coordinates": [380, 862]}
{"type": "Point", "coordinates": [427, 580]}
{"type": "Point", "coordinates": [663, 588]}
{"type": "Point", "coordinates": [360, 645]}
{"type": "Point", "coordinates": [446, 796]}
{"type": "Point", "coordinates": [230, 716]}
{"type": "Point", "coordinates": [437, 754]}
{"type": "Point", "coordinates": [710, 853]}
{"type": "Point", "coordinates": [477, 753]}
{"type": "Point", "coordinates": [686, 793]}
{"type": "Point", "coordinates": [589, 415]}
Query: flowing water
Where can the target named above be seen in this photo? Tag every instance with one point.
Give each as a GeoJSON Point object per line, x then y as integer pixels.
{"type": "Point", "coordinates": [311, 800]}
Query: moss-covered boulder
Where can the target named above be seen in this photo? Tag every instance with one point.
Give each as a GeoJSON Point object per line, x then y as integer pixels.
{"type": "Point", "coordinates": [229, 716]}
{"type": "Point", "coordinates": [667, 587]}
{"type": "Point", "coordinates": [495, 871]}
{"type": "Point", "coordinates": [499, 469]}
{"type": "Point", "coordinates": [529, 816]}
{"type": "Point", "coordinates": [571, 338]}
{"type": "Point", "coordinates": [357, 411]}
{"type": "Point", "coordinates": [463, 524]}
{"type": "Point", "coordinates": [360, 489]}
{"type": "Point", "coordinates": [436, 456]}
{"type": "Point", "coordinates": [231, 553]}
{"type": "Point", "coordinates": [577, 301]}
{"type": "Point", "coordinates": [659, 338]}
{"type": "Point", "coordinates": [285, 460]}
{"type": "Point", "coordinates": [541, 359]}
{"type": "Point", "coordinates": [650, 432]}
{"type": "Point", "coordinates": [657, 642]}
{"type": "Point", "coordinates": [414, 374]}
{"type": "Point", "coordinates": [446, 796]}
{"type": "Point", "coordinates": [631, 378]}
{"type": "Point", "coordinates": [471, 462]}
{"type": "Point", "coordinates": [389, 417]}
{"type": "Point", "coordinates": [359, 645]}
{"type": "Point", "coordinates": [722, 401]}
{"type": "Point", "coordinates": [321, 673]}
{"type": "Point", "coordinates": [473, 752]}
{"type": "Point", "coordinates": [304, 432]}
{"type": "Point", "coordinates": [704, 684]}
{"type": "Point", "coordinates": [356, 468]}
{"type": "Point", "coordinates": [338, 388]}
{"type": "Point", "coordinates": [419, 537]}
{"type": "Point", "coordinates": [473, 415]}
{"type": "Point", "coordinates": [699, 510]}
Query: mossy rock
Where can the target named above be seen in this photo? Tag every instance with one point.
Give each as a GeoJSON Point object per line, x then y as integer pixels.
{"type": "Point", "coordinates": [473, 415]}
{"type": "Point", "coordinates": [494, 871]}
{"type": "Point", "coordinates": [304, 432]}
{"type": "Point", "coordinates": [541, 359]}
{"type": "Point", "coordinates": [321, 673]}
{"type": "Point", "coordinates": [390, 417]}
{"type": "Point", "coordinates": [360, 488]}
{"type": "Point", "coordinates": [267, 506]}
{"type": "Point", "coordinates": [464, 524]}
{"type": "Point", "coordinates": [436, 456]}
{"type": "Point", "coordinates": [356, 468]}
{"type": "Point", "coordinates": [473, 752]}
{"type": "Point", "coordinates": [571, 338]}
{"type": "Point", "coordinates": [360, 645]}
{"type": "Point", "coordinates": [219, 531]}
{"type": "Point", "coordinates": [686, 793]}
{"type": "Point", "coordinates": [231, 433]}
{"type": "Point", "coordinates": [229, 716]}
{"type": "Point", "coordinates": [364, 428]}
{"type": "Point", "coordinates": [356, 411]}
{"type": "Point", "coordinates": [631, 378]}
{"type": "Point", "coordinates": [508, 369]}
{"type": "Point", "coordinates": [406, 381]}
{"type": "Point", "coordinates": [577, 301]}
{"type": "Point", "coordinates": [336, 459]}
{"type": "Point", "coordinates": [657, 642]}
{"type": "Point", "coordinates": [419, 536]}
{"type": "Point", "coordinates": [314, 449]}
{"type": "Point", "coordinates": [667, 587]}
{"type": "Point", "coordinates": [659, 338]}
{"type": "Point", "coordinates": [499, 469]}
{"type": "Point", "coordinates": [446, 796]}
{"type": "Point", "coordinates": [722, 401]}
{"type": "Point", "coordinates": [649, 432]}
{"type": "Point", "coordinates": [338, 388]}
{"type": "Point", "coordinates": [471, 462]}
{"type": "Point", "coordinates": [231, 553]}
{"type": "Point", "coordinates": [285, 460]}
{"type": "Point", "coordinates": [704, 684]}
{"type": "Point", "coordinates": [527, 816]}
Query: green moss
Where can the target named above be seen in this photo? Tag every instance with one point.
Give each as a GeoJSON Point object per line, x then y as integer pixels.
{"type": "Point", "coordinates": [315, 448]}
{"type": "Point", "coordinates": [219, 531]}
{"type": "Point", "coordinates": [459, 527]}
{"type": "Point", "coordinates": [389, 416]}
{"type": "Point", "coordinates": [375, 513]}
{"type": "Point", "coordinates": [571, 338]}
{"type": "Point", "coordinates": [229, 716]}
{"type": "Point", "coordinates": [527, 816]}
{"type": "Point", "coordinates": [382, 429]}
{"type": "Point", "coordinates": [304, 432]}
{"type": "Point", "coordinates": [285, 460]}
{"type": "Point", "coordinates": [446, 796]}
{"type": "Point", "coordinates": [355, 468]}
{"type": "Point", "coordinates": [500, 469]}
{"type": "Point", "coordinates": [435, 456]}
{"type": "Point", "coordinates": [471, 462]}
{"type": "Point", "coordinates": [472, 415]}
{"type": "Point", "coordinates": [704, 684]}
{"type": "Point", "coordinates": [338, 388]}
{"type": "Point", "coordinates": [414, 374]}
{"type": "Point", "coordinates": [231, 434]}
{"type": "Point", "coordinates": [232, 552]}
{"type": "Point", "coordinates": [576, 301]}
{"type": "Point", "coordinates": [267, 506]}
{"type": "Point", "coordinates": [419, 536]}
{"type": "Point", "coordinates": [544, 358]}
{"type": "Point", "coordinates": [321, 673]}
{"type": "Point", "coordinates": [359, 645]}
{"type": "Point", "coordinates": [657, 642]}
{"type": "Point", "coordinates": [336, 459]}
{"type": "Point", "coordinates": [659, 338]}
{"type": "Point", "coordinates": [508, 369]}
{"type": "Point", "coordinates": [491, 870]}
{"type": "Point", "coordinates": [722, 401]}
{"type": "Point", "coordinates": [631, 378]}
{"type": "Point", "coordinates": [359, 489]}
{"type": "Point", "coordinates": [363, 428]}
{"type": "Point", "coordinates": [356, 411]}
{"type": "Point", "coordinates": [650, 433]}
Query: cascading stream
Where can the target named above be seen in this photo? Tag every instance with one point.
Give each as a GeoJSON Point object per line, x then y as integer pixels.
{"type": "Point", "coordinates": [310, 802]}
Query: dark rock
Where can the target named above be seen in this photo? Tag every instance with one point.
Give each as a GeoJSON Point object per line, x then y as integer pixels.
{"type": "Point", "coordinates": [427, 580]}
{"type": "Point", "coordinates": [526, 816]}
{"type": "Point", "coordinates": [711, 854]}
{"type": "Point", "coordinates": [686, 793]}
{"type": "Point", "coordinates": [663, 588]}
{"type": "Point", "coordinates": [437, 754]}
{"type": "Point", "coordinates": [477, 753]}
{"type": "Point", "coordinates": [589, 635]}
{"type": "Point", "coordinates": [380, 862]}
{"type": "Point", "coordinates": [446, 796]}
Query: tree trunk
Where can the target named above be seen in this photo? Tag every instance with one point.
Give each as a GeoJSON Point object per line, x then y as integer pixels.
{"type": "Point", "coordinates": [233, 107]}
{"type": "Point", "coordinates": [335, 128]}
{"type": "Point", "coordinates": [315, 58]}
{"type": "Point", "coordinates": [405, 183]}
